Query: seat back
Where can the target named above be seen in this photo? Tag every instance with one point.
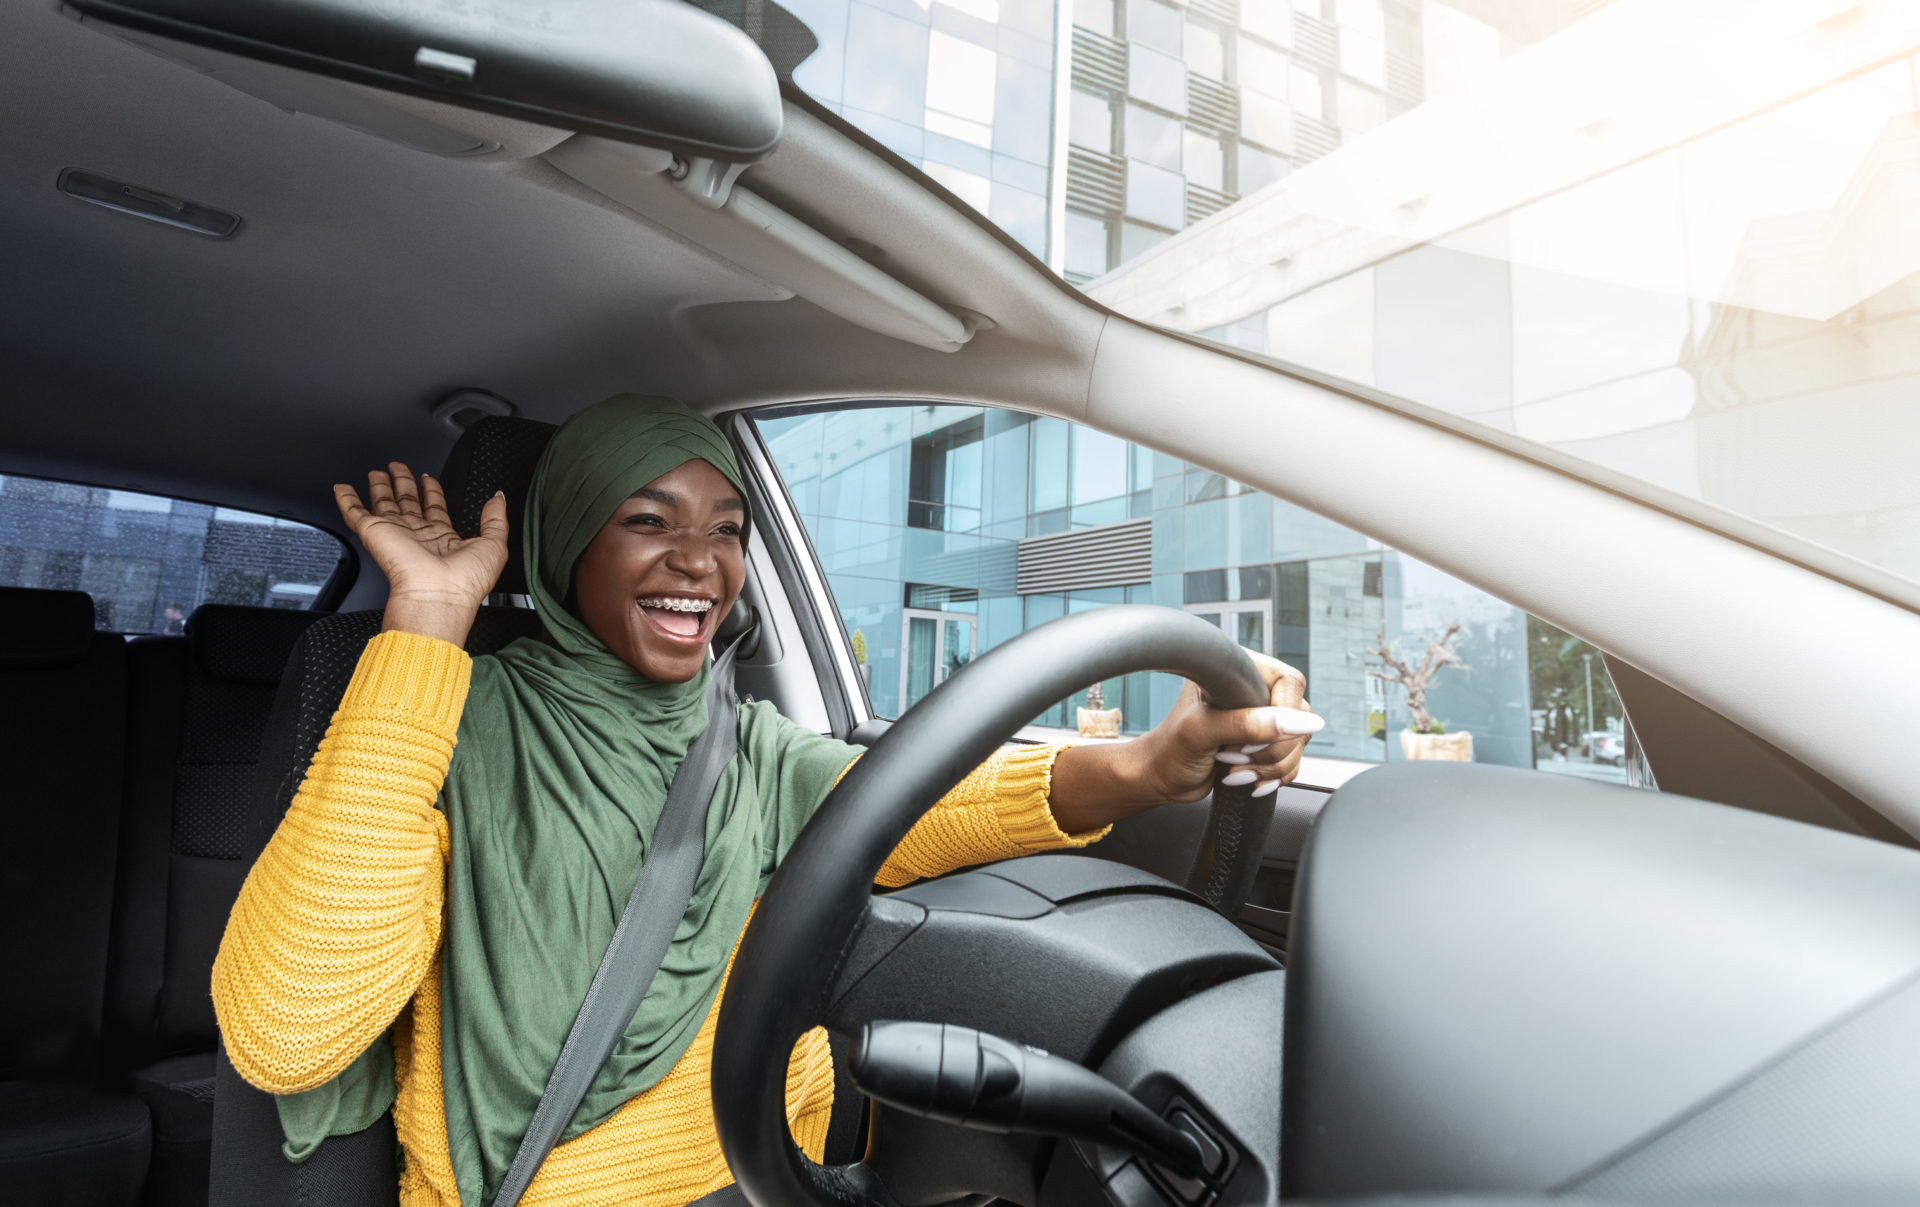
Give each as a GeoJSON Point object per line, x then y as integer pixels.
{"type": "Point", "coordinates": [62, 722]}
{"type": "Point", "coordinates": [198, 722]}
{"type": "Point", "coordinates": [346, 1171]}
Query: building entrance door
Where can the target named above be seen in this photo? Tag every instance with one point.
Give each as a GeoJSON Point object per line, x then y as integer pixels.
{"type": "Point", "coordinates": [1244, 620]}
{"type": "Point", "coordinates": [937, 644]}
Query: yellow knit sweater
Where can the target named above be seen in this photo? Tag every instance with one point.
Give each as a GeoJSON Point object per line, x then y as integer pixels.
{"type": "Point", "coordinates": [335, 938]}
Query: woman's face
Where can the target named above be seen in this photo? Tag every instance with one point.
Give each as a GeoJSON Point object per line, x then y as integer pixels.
{"type": "Point", "coordinates": [658, 577]}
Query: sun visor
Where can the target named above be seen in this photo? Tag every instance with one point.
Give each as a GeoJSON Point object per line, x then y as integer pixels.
{"type": "Point", "coordinates": [655, 72]}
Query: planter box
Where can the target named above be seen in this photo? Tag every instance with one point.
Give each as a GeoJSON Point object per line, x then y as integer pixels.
{"type": "Point", "coordinates": [1440, 747]}
{"type": "Point", "coordinates": [1099, 722]}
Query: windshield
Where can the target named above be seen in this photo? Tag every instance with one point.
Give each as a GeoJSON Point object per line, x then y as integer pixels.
{"type": "Point", "coordinates": [1669, 238]}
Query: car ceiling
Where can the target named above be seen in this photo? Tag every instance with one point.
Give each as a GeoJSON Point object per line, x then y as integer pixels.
{"type": "Point", "coordinates": [369, 280]}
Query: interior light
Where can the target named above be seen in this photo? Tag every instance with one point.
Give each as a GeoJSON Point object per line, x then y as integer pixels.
{"type": "Point", "coordinates": [150, 204]}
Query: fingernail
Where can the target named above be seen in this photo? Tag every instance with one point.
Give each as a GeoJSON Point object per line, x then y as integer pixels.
{"type": "Point", "coordinates": [1267, 788]}
{"type": "Point", "coordinates": [1228, 756]}
{"type": "Point", "coordinates": [1293, 722]}
{"type": "Point", "coordinates": [1243, 776]}
{"type": "Point", "coordinates": [1254, 748]}
{"type": "Point", "coordinates": [499, 494]}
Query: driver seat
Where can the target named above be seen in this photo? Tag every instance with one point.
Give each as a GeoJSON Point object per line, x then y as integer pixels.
{"type": "Point", "coordinates": [496, 453]}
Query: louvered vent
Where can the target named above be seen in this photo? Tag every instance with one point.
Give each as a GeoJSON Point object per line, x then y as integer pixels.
{"type": "Point", "coordinates": [1227, 12]}
{"type": "Point", "coordinates": [1203, 203]}
{"type": "Point", "coordinates": [1312, 138]}
{"type": "Point", "coordinates": [1315, 42]}
{"type": "Point", "coordinates": [1406, 80]}
{"type": "Point", "coordinates": [1095, 182]}
{"type": "Point", "coordinates": [1113, 555]}
{"type": "Point", "coordinates": [1212, 106]}
{"type": "Point", "coordinates": [1099, 64]}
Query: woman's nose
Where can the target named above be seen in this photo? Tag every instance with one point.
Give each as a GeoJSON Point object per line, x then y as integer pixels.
{"type": "Point", "coordinates": [692, 556]}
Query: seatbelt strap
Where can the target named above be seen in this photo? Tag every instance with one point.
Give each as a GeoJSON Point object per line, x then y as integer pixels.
{"type": "Point", "coordinates": [729, 1195]}
{"type": "Point", "coordinates": [641, 939]}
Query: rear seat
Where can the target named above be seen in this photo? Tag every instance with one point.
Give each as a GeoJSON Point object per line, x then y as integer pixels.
{"type": "Point", "coordinates": [63, 1137]}
{"type": "Point", "coordinates": [199, 708]}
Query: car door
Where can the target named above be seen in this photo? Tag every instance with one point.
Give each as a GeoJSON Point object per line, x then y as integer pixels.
{"type": "Point", "coordinates": [919, 535]}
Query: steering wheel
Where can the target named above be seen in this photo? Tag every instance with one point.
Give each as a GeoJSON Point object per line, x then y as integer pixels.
{"type": "Point", "coordinates": [817, 903]}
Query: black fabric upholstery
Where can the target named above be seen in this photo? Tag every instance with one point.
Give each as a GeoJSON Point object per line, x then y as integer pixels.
{"type": "Point", "coordinates": [198, 719]}
{"type": "Point", "coordinates": [63, 709]}
{"type": "Point", "coordinates": [71, 1144]}
{"type": "Point", "coordinates": [497, 453]}
{"type": "Point", "coordinates": [245, 645]}
{"type": "Point", "coordinates": [44, 628]}
{"type": "Point", "coordinates": [62, 745]}
{"type": "Point", "coordinates": [178, 1094]}
{"type": "Point", "coordinates": [346, 1171]}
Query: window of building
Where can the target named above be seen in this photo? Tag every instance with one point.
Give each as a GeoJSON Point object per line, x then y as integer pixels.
{"type": "Point", "coordinates": [1204, 160]}
{"type": "Point", "coordinates": [1206, 52]}
{"type": "Point", "coordinates": [1090, 122]}
{"type": "Point", "coordinates": [1088, 240]}
{"type": "Point", "coordinates": [970, 187]}
{"type": "Point", "coordinates": [1256, 169]}
{"type": "Point", "coordinates": [1262, 67]}
{"type": "Point", "coordinates": [1096, 15]}
{"type": "Point", "coordinates": [1153, 138]}
{"type": "Point", "coordinates": [1361, 109]}
{"type": "Point", "coordinates": [1364, 17]}
{"type": "Point", "coordinates": [148, 560]}
{"type": "Point", "coordinates": [1158, 79]}
{"type": "Point", "coordinates": [1364, 58]}
{"type": "Point", "coordinates": [1266, 121]}
{"type": "Point", "coordinates": [1274, 577]}
{"type": "Point", "coordinates": [1137, 240]}
{"type": "Point", "coordinates": [960, 89]}
{"type": "Point", "coordinates": [1154, 195]}
{"type": "Point", "coordinates": [1151, 23]}
{"type": "Point", "coordinates": [1270, 19]}
{"type": "Point", "coordinates": [1306, 93]}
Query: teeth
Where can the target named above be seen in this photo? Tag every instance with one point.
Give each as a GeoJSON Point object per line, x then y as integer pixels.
{"type": "Point", "coordinates": [679, 605]}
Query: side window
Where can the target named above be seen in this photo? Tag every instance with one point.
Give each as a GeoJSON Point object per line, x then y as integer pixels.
{"type": "Point", "coordinates": [149, 561]}
{"type": "Point", "coordinates": [946, 530]}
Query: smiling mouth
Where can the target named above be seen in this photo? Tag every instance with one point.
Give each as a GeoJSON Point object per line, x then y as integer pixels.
{"type": "Point", "coordinates": [681, 619]}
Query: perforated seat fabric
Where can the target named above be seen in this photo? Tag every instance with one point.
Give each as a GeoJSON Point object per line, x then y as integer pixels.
{"type": "Point", "coordinates": [63, 708]}
{"type": "Point", "coordinates": [499, 452]}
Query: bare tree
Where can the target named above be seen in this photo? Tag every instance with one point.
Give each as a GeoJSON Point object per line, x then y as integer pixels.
{"type": "Point", "coordinates": [1417, 681]}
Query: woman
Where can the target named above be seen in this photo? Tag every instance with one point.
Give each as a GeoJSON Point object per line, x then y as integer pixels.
{"type": "Point", "coordinates": [422, 927]}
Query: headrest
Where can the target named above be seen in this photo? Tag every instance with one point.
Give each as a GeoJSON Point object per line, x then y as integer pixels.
{"type": "Point", "coordinates": [245, 645]}
{"type": "Point", "coordinates": [44, 628]}
{"type": "Point", "coordinates": [497, 453]}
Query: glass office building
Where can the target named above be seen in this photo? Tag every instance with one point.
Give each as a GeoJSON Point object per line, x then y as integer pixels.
{"type": "Point", "coordinates": [945, 530]}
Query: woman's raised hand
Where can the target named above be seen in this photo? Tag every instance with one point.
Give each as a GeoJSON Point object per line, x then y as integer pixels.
{"type": "Point", "coordinates": [436, 578]}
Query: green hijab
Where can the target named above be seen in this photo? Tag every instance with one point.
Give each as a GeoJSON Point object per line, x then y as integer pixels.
{"type": "Point", "coordinates": [562, 765]}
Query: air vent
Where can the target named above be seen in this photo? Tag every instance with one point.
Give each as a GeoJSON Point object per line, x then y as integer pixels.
{"type": "Point", "coordinates": [1112, 555]}
{"type": "Point", "coordinates": [1094, 181]}
{"type": "Point", "coordinates": [151, 204]}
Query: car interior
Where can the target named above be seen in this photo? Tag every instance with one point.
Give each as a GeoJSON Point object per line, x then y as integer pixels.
{"type": "Point", "coordinates": [1437, 983]}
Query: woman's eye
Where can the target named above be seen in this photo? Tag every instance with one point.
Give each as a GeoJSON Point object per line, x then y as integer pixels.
{"type": "Point", "coordinates": [648, 519]}
{"type": "Point", "coordinates": [727, 530]}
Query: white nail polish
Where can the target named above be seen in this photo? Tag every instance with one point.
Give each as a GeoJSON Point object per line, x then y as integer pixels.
{"type": "Point", "coordinates": [1243, 776]}
{"type": "Point", "coordinates": [1267, 787]}
{"type": "Point", "coordinates": [1254, 747]}
{"type": "Point", "coordinates": [1295, 723]}
{"type": "Point", "coordinates": [1228, 756]}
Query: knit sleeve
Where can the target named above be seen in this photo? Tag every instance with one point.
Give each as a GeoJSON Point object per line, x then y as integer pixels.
{"type": "Point", "coordinates": [339, 919]}
{"type": "Point", "coordinates": [999, 811]}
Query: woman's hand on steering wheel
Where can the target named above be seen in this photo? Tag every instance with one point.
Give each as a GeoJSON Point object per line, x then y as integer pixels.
{"type": "Point", "coordinates": [1179, 755]}
{"type": "Point", "coordinates": [437, 579]}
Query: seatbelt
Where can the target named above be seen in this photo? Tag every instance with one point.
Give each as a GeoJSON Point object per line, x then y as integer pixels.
{"type": "Point", "coordinates": [641, 939]}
